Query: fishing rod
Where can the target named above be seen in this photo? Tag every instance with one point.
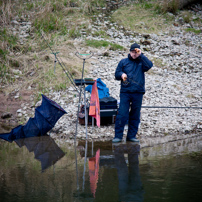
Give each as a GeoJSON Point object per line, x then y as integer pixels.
{"type": "Point", "coordinates": [72, 79]}
{"type": "Point", "coordinates": [65, 70]}
{"type": "Point", "coordinates": [171, 107]}
{"type": "Point", "coordinates": [128, 80]}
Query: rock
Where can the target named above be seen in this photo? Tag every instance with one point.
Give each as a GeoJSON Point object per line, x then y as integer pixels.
{"type": "Point", "coordinates": [16, 71]}
{"type": "Point", "coordinates": [19, 115]}
{"type": "Point", "coordinates": [146, 42]}
{"type": "Point", "coordinates": [38, 103]}
{"type": "Point", "coordinates": [181, 21]}
{"type": "Point", "coordinates": [19, 111]}
{"type": "Point", "coordinates": [6, 115]}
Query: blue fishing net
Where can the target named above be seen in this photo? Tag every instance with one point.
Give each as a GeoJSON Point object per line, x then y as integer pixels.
{"type": "Point", "coordinates": [46, 116]}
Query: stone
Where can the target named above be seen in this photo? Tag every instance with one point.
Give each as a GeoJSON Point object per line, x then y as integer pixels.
{"type": "Point", "coordinates": [6, 115]}
{"type": "Point", "coordinates": [19, 111]}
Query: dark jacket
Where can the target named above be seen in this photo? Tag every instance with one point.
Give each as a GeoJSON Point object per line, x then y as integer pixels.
{"type": "Point", "coordinates": [134, 69]}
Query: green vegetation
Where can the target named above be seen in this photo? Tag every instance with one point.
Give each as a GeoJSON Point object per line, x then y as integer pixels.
{"type": "Point", "coordinates": [102, 43]}
{"type": "Point", "coordinates": [196, 31]}
{"type": "Point", "coordinates": [53, 19]}
{"type": "Point", "coordinates": [8, 43]}
{"type": "Point", "coordinates": [74, 33]}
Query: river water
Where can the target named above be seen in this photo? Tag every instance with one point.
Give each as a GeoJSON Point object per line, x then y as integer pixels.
{"type": "Point", "coordinates": [39, 169]}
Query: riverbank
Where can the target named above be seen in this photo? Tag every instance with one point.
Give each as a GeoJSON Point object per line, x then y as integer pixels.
{"type": "Point", "coordinates": [174, 80]}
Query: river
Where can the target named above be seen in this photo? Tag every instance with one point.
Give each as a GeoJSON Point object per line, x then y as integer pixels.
{"type": "Point", "coordinates": [39, 169]}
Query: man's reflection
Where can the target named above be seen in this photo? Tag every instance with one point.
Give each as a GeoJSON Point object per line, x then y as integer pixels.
{"type": "Point", "coordinates": [130, 186]}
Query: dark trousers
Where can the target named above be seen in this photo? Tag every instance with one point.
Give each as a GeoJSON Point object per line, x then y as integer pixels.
{"type": "Point", "coordinates": [129, 110]}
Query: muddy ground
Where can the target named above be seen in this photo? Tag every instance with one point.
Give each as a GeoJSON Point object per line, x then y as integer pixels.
{"type": "Point", "coordinates": [8, 108]}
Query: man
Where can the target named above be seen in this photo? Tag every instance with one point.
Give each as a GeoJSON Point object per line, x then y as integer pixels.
{"type": "Point", "coordinates": [131, 73]}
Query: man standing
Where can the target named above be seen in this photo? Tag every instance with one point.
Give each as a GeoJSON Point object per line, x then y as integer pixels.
{"type": "Point", "coordinates": [131, 73]}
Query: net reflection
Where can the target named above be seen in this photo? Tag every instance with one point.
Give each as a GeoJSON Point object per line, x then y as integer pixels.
{"type": "Point", "coordinates": [45, 149]}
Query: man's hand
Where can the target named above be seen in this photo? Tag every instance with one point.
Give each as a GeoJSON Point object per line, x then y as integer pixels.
{"type": "Point", "coordinates": [135, 53]}
{"type": "Point", "coordinates": [138, 51]}
{"type": "Point", "coordinates": [124, 77]}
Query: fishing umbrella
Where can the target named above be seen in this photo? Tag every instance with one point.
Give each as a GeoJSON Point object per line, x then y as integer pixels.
{"type": "Point", "coordinates": [46, 116]}
{"type": "Point", "coordinates": [94, 109]}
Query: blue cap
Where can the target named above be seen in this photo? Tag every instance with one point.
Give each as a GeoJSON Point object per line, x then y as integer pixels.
{"type": "Point", "coordinates": [133, 46]}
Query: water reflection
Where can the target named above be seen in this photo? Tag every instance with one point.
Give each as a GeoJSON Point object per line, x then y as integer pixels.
{"type": "Point", "coordinates": [93, 169]}
{"type": "Point", "coordinates": [121, 158]}
{"type": "Point", "coordinates": [45, 149]}
{"type": "Point", "coordinates": [93, 164]}
{"type": "Point", "coordinates": [100, 171]}
{"type": "Point", "coordinates": [130, 186]}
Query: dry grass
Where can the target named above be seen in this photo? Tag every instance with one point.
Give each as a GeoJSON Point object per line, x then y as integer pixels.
{"type": "Point", "coordinates": [34, 60]}
{"type": "Point", "coordinates": [6, 12]}
{"type": "Point", "coordinates": [140, 20]}
{"type": "Point", "coordinates": [37, 68]}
